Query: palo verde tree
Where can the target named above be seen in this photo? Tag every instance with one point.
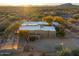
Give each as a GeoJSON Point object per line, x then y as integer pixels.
{"type": "Point", "coordinates": [48, 19]}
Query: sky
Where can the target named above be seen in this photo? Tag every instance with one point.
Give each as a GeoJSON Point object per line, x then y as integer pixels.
{"type": "Point", "coordinates": [36, 2]}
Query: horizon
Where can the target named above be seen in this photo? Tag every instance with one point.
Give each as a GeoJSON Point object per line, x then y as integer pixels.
{"type": "Point", "coordinates": [45, 4]}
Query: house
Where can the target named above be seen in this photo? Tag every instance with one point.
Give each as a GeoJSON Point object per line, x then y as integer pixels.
{"type": "Point", "coordinates": [39, 29]}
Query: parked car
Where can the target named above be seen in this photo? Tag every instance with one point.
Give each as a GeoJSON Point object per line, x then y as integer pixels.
{"type": "Point", "coordinates": [7, 52]}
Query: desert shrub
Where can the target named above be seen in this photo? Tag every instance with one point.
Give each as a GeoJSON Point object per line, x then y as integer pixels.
{"type": "Point", "coordinates": [76, 16]}
{"type": "Point", "coordinates": [75, 52]}
{"type": "Point", "coordinates": [33, 38]}
{"type": "Point", "coordinates": [61, 51]}
{"type": "Point", "coordinates": [60, 32]}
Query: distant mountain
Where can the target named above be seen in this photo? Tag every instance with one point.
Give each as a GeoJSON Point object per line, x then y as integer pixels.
{"type": "Point", "coordinates": [69, 5]}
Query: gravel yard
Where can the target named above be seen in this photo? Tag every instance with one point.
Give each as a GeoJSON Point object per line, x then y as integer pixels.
{"type": "Point", "coordinates": [49, 45]}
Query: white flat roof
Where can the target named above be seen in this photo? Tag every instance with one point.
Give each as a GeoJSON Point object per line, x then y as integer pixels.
{"type": "Point", "coordinates": [29, 27]}
{"type": "Point", "coordinates": [35, 23]}
{"type": "Point", "coordinates": [48, 28]}
{"type": "Point", "coordinates": [37, 27]}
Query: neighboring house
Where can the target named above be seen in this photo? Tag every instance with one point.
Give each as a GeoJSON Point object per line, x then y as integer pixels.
{"type": "Point", "coordinates": [55, 24]}
{"type": "Point", "coordinates": [75, 26]}
{"type": "Point", "coordinates": [66, 16]}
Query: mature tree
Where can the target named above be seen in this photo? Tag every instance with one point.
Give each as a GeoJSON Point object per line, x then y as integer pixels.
{"type": "Point", "coordinates": [13, 27]}
{"type": "Point", "coordinates": [60, 31]}
{"type": "Point", "coordinates": [58, 19]}
{"type": "Point", "coordinates": [48, 19]}
{"type": "Point", "coordinates": [23, 38]}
